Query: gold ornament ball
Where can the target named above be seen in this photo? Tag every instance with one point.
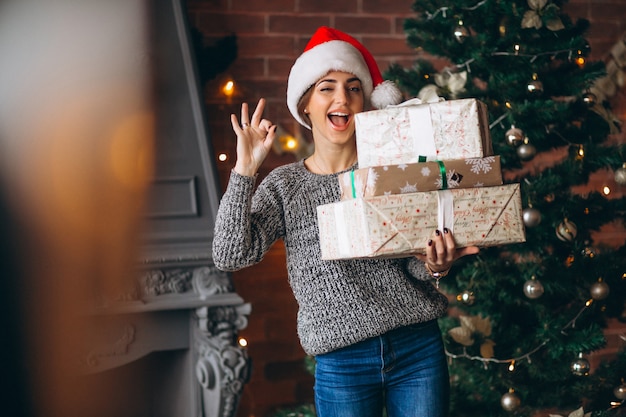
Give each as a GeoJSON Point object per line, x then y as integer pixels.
{"type": "Point", "coordinates": [599, 290]}
{"type": "Point", "coordinates": [514, 136]}
{"type": "Point", "coordinates": [566, 231]}
{"type": "Point", "coordinates": [533, 289]}
{"type": "Point", "coordinates": [510, 401]}
{"type": "Point", "coordinates": [620, 392]}
{"type": "Point", "coordinates": [581, 366]}
{"type": "Point", "coordinates": [620, 175]}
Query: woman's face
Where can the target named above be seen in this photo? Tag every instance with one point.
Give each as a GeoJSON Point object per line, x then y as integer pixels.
{"type": "Point", "coordinates": [334, 101]}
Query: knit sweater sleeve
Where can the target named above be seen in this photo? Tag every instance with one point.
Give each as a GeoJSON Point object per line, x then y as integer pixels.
{"type": "Point", "coordinates": [417, 269]}
{"type": "Point", "coordinates": [247, 223]}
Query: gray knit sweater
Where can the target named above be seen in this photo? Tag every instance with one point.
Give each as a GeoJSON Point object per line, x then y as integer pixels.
{"type": "Point", "coordinates": [340, 302]}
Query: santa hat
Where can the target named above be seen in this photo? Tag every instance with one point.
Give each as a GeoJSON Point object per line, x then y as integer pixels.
{"type": "Point", "coordinates": [332, 50]}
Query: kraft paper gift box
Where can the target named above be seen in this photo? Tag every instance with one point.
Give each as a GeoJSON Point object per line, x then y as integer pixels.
{"type": "Point", "coordinates": [422, 176]}
{"type": "Point", "coordinates": [400, 225]}
{"type": "Point", "coordinates": [414, 131]}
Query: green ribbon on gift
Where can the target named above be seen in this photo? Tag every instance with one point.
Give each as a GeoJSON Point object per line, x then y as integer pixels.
{"type": "Point", "coordinates": [353, 186]}
{"type": "Point", "coordinates": [442, 171]}
{"type": "Point", "coordinates": [444, 176]}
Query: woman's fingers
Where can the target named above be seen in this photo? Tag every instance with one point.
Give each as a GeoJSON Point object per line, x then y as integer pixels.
{"type": "Point", "coordinates": [258, 111]}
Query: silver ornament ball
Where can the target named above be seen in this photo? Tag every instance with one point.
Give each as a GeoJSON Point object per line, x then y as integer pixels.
{"type": "Point", "coordinates": [535, 87]}
{"type": "Point", "coordinates": [620, 392]}
{"type": "Point", "coordinates": [566, 231]}
{"type": "Point", "coordinates": [620, 175]}
{"type": "Point", "coordinates": [581, 366]}
{"type": "Point", "coordinates": [510, 401]}
{"type": "Point", "coordinates": [526, 151]}
{"type": "Point", "coordinates": [461, 33]}
{"type": "Point", "coordinates": [599, 290]}
{"type": "Point", "coordinates": [531, 217]}
{"type": "Point", "coordinates": [533, 288]}
{"type": "Point", "coordinates": [514, 136]}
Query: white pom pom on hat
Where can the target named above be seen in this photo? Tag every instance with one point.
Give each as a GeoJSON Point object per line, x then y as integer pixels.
{"type": "Point", "coordinates": [329, 50]}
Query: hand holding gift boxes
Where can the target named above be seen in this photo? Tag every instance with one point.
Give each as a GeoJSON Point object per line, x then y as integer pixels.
{"type": "Point", "coordinates": [392, 214]}
{"type": "Point", "coordinates": [399, 225]}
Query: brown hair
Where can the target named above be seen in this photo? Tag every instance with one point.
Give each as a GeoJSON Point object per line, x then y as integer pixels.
{"type": "Point", "coordinates": [303, 102]}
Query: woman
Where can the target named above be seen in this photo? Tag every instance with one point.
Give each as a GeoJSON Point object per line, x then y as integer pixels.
{"type": "Point", "coordinates": [370, 323]}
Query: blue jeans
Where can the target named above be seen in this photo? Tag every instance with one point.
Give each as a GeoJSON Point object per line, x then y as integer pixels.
{"type": "Point", "coordinates": [404, 370]}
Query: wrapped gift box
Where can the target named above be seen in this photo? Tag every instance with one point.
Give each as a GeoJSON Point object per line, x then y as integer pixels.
{"type": "Point", "coordinates": [422, 176]}
{"type": "Point", "coordinates": [453, 129]}
{"type": "Point", "coordinates": [400, 225]}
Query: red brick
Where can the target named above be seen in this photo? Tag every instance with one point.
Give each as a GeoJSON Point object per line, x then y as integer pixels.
{"type": "Point", "coordinates": [194, 6]}
{"type": "Point", "coordinates": [264, 6]}
{"type": "Point", "coordinates": [328, 6]}
{"type": "Point", "coordinates": [254, 46]}
{"type": "Point", "coordinates": [247, 68]}
{"type": "Point", "coordinates": [226, 23]}
{"type": "Point", "coordinates": [379, 46]}
{"type": "Point", "coordinates": [296, 24]}
{"type": "Point", "coordinates": [279, 68]}
{"type": "Point", "coordinates": [355, 24]}
{"type": "Point", "coordinates": [387, 6]}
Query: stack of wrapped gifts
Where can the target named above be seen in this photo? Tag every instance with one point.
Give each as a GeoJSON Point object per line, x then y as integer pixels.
{"type": "Point", "coordinates": [422, 166]}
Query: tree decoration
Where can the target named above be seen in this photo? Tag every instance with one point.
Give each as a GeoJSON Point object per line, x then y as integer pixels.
{"type": "Point", "coordinates": [452, 82]}
{"type": "Point", "coordinates": [510, 401]}
{"type": "Point", "coordinates": [472, 329]}
{"type": "Point", "coordinates": [460, 32]}
{"type": "Point", "coordinates": [580, 366]}
{"type": "Point", "coordinates": [566, 231]}
{"type": "Point", "coordinates": [526, 151]}
{"type": "Point", "coordinates": [531, 216]}
{"type": "Point", "coordinates": [576, 413]}
{"type": "Point", "coordinates": [514, 136]}
{"type": "Point", "coordinates": [533, 18]}
{"type": "Point", "coordinates": [590, 99]}
{"type": "Point", "coordinates": [620, 391]}
{"type": "Point", "coordinates": [620, 175]}
{"type": "Point", "coordinates": [466, 297]}
{"type": "Point", "coordinates": [535, 86]}
{"type": "Point", "coordinates": [533, 288]}
{"type": "Point", "coordinates": [599, 290]}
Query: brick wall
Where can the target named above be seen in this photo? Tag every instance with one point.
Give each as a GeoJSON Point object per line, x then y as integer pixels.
{"type": "Point", "coordinates": [271, 34]}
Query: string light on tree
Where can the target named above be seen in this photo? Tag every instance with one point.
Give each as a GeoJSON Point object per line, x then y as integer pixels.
{"type": "Point", "coordinates": [466, 297]}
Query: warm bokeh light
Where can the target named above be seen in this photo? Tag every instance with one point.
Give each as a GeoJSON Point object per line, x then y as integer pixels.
{"type": "Point", "coordinates": [228, 88]}
{"type": "Point", "coordinates": [606, 190]}
{"type": "Point", "coordinates": [242, 342]}
{"type": "Point", "coordinates": [222, 157]}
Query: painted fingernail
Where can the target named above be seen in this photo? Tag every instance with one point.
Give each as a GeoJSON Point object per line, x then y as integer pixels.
{"type": "Point", "coordinates": [437, 232]}
{"type": "Point", "coordinates": [430, 242]}
{"type": "Point", "coordinates": [445, 230]}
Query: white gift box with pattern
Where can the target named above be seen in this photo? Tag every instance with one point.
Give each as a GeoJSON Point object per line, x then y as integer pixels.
{"type": "Point", "coordinates": [400, 224]}
{"type": "Point", "coordinates": [415, 131]}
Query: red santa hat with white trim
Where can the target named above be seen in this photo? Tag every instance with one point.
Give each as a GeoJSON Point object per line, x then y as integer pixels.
{"type": "Point", "coordinates": [332, 50]}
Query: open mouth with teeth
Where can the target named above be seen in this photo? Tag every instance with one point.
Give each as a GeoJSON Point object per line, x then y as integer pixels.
{"type": "Point", "coordinates": [339, 119]}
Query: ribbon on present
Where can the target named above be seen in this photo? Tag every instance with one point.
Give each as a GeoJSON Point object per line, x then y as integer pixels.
{"type": "Point", "coordinates": [420, 117]}
{"type": "Point", "coordinates": [445, 210]}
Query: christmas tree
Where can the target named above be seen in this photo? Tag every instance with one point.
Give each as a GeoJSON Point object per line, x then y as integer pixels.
{"type": "Point", "coordinates": [525, 318]}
